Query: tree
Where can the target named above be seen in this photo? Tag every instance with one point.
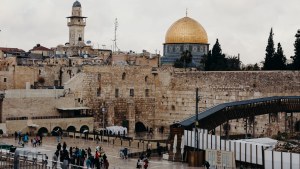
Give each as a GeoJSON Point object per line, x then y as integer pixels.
{"type": "Point", "coordinates": [233, 63]}
{"type": "Point", "coordinates": [270, 51]}
{"type": "Point", "coordinates": [279, 60]}
{"type": "Point", "coordinates": [185, 60]}
{"type": "Point", "coordinates": [296, 57]}
{"type": "Point", "coordinates": [251, 67]}
{"type": "Point", "coordinates": [215, 60]}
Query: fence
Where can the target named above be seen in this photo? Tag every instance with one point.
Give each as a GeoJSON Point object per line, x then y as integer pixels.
{"type": "Point", "coordinates": [118, 140]}
{"type": "Point", "coordinates": [281, 160]}
{"type": "Point", "coordinates": [252, 153]}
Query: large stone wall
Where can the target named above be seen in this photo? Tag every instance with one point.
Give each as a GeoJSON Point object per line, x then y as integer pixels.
{"type": "Point", "coordinates": [172, 91]}
{"type": "Point", "coordinates": [18, 76]}
{"type": "Point", "coordinates": [170, 95]}
{"type": "Point", "coordinates": [34, 103]}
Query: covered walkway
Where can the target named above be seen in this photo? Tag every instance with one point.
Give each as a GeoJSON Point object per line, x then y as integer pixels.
{"type": "Point", "coordinates": [220, 114]}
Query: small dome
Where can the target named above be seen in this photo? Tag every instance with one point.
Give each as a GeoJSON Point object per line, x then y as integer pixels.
{"type": "Point", "coordinates": [186, 30]}
{"type": "Point", "coordinates": [77, 4]}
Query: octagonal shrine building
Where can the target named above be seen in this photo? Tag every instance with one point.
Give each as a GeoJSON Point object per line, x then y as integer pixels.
{"type": "Point", "coordinates": [185, 34]}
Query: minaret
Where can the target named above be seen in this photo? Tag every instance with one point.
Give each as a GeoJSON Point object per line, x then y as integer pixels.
{"type": "Point", "coordinates": [76, 24]}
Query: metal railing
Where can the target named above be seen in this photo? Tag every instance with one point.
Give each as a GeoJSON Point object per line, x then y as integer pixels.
{"type": "Point", "coordinates": [13, 161]}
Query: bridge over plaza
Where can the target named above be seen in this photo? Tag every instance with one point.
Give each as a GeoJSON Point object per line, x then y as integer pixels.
{"type": "Point", "coordinates": [221, 114]}
{"type": "Point", "coordinates": [255, 152]}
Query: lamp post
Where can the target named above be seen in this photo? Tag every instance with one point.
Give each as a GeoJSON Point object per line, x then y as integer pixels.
{"type": "Point", "coordinates": [196, 120]}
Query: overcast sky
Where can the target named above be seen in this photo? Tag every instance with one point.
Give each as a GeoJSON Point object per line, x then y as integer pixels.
{"type": "Point", "coordinates": [242, 26]}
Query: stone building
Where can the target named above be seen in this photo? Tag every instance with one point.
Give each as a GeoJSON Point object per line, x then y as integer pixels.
{"type": "Point", "coordinates": [186, 34]}
{"type": "Point", "coordinates": [76, 24]}
{"type": "Point", "coordinates": [154, 97]}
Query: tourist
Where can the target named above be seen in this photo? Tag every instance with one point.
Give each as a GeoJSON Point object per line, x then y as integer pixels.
{"type": "Point", "coordinates": [97, 139]}
{"type": "Point", "coordinates": [54, 160]}
{"type": "Point", "coordinates": [148, 153]}
{"type": "Point", "coordinates": [146, 163]}
{"type": "Point", "coordinates": [139, 164]}
{"type": "Point", "coordinates": [206, 164]}
{"type": "Point", "coordinates": [16, 135]}
{"type": "Point", "coordinates": [58, 146]}
{"type": "Point", "coordinates": [88, 163]}
{"type": "Point", "coordinates": [106, 164]}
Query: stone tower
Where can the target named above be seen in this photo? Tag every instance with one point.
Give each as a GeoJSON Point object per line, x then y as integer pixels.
{"type": "Point", "coordinates": [76, 24]}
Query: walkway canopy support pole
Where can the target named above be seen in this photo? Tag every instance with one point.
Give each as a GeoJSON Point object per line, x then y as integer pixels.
{"type": "Point", "coordinates": [196, 122]}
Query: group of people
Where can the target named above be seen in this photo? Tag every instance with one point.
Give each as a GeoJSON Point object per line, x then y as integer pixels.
{"type": "Point", "coordinates": [79, 157]}
{"type": "Point", "coordinates": [36, 141]}
{"type": "Point", "coordinates": [142, 162]}
{"type": "Point", "coordinates": [24, 138]}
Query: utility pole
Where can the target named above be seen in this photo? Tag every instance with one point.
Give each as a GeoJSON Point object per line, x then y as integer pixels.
{"type": "Point", "coordinates": [196, 122]}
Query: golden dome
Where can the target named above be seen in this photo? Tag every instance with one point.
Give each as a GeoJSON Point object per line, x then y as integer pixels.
{"type": "Point", "coordinates": [186, 30]}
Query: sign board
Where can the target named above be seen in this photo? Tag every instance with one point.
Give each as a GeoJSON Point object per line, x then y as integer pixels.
{"type": "Point", "coordinates": [220, 158]}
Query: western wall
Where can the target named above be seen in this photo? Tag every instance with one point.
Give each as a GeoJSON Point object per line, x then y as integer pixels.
{"type": "Point", "coordinates": [154, 96]}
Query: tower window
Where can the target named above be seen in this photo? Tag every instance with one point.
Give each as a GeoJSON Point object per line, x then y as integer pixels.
{"type": "Point", "coordinates": [146, 79]}
{"type": "Point", "coordinates": [147, 92]}
{"type": "Point", "coordinates": [99, 77]}
{"type": "Point", "coordinates": [116, 93]}
{"type": "Point", "coordinates": [123, 76]}
{"type": "Point", "coordinates": [98, 92]}
{"type": "Point", "coordinates": [131, 92]}
{"type": "Point", "coordinates": [5, 79]}
{"type": "Point", "coordinates": [79, 39]}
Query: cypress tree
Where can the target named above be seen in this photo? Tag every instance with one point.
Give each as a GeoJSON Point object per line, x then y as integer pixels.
{"type": "Point", "coordinates": [269, 52]}
{"type": "Point", "coordinates": [296, 57]}
{"type": "Point", "coordinates": [218, 60]}
{"type": "Point", "coordinates": [279, 60]}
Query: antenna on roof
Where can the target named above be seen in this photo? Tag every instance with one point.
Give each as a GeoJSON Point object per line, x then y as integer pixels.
{"type": "Point", "coordinates": [115, 47]}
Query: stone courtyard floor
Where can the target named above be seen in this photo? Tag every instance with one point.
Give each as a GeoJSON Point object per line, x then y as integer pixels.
{"type": "Point", "coordinates": [115, 162]}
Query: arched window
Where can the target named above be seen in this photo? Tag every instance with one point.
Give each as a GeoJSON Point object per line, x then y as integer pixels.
{"type": "Point", "coordinates": [146, 79]}
{"type": "Point", "coordinates": [123, 76]}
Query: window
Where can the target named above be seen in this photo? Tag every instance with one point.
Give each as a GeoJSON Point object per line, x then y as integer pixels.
{"type": "Point", "coordinates": [98, 92]}
{"type": "Point", "coordinates": [40, 72]}
{"type": "Point", "coordinates": [116, 93]}
{"type": "Point", "coordinates": [131, 92]}
{"type": "Point", "coordinates": [147, 92]}
{"type": "Point", "coordinates": [99, 77]}
{"type": "Point", "coordinates": [123, 76]}
{"type": "Point", "coordinates": [5, 79]}
{"type": "Point", "coordinates": [146, 79]}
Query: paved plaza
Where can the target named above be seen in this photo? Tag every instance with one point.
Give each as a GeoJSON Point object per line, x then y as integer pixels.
{"type": "Point", "coordinates": [115, 162]}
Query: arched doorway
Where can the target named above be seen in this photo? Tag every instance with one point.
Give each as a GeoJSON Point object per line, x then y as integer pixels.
{"type": "Point", "coordinates": [43, 131]}
{"type": "Point", "coordinates": [56, 130]}
{"type": "Point", "coordinates": [140, 127]}
{"type": "Point", "coordinates": [84, 127]}
{"type": "Point", "coordinates": [71, 129]}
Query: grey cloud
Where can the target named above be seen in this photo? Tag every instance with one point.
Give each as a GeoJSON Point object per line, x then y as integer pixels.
{"type": "Point", "coordinates": [242, 26]}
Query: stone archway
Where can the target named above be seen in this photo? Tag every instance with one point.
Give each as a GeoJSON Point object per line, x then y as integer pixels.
{"type": "Point", "coordinates": [140, 127]}
{"type": "Point", "coordinates": [43, 131]}
{"type": "Point", "coordinates": [71, 129]}
{"type": "Point", "coordinates": [84, 127]}
{"type": "Point", "coordinates": [56, 130]}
